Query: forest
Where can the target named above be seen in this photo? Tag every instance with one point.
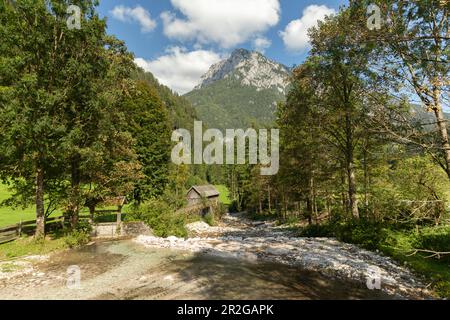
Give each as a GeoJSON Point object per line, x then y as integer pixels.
{"type": "Point", "coordinates": [364, 132]}
{"type": "Point", "coordinates": [364, 137]}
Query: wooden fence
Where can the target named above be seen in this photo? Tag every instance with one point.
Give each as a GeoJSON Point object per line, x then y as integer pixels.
{"type": "Point", "coordinates": [15, 231]}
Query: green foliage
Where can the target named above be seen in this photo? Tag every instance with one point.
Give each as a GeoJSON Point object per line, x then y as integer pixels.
{"type": "Point", "coordinates": [60, 115]}
{"type": "Point", "coordinates": [73, 106]}
{"type": "Point", "coordinates": [149, 125]}
{"type": "Point", "coordinates": [317, 230]}
{"type": "Point", "coordinates": [423, 65]}
{"type": "Point", "coordinates": [241, 186]}
{"type": "Point", "coordinates": [210, 219]}
{"type": "Point", "coordinates": [368, 235]}
{"type": "Point", "coordinates": [224, 194]}
{"type": "Point", "coordinates": [161, 217]}
{"type": "Point", "coordinates": [409, 191]}
{"type": "Point", "coordinates": [341, 153]}
{"type": "Point", "coordinates": [435, 240]}
{"type": "Point", "coordinates": [182, 114]}
{"type": "Point", "coordinates": [234, 206]}
{"type": "Point", "coordinates": [78, 236]}
{"type": "Point", "coordinates": [228, 104]}
{"type": "Point", "coordinates": [400, 244]}
{"type": "Point", "coordinates": [222, 210]}
{"type": "Point", "coordinates": [178, 183]}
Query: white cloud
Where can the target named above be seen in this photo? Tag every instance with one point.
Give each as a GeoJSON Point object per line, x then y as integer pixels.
{"type": "Point", "coordinates": [136, 14]}
{"type": "Point", "coordinates": [226, 23]}
{"type": "Point", "coordinates": [261, 44]}
{"type": "Point", "coordinates": [179, 69]}
{"type": "Point", "coordinates": [295, 36]}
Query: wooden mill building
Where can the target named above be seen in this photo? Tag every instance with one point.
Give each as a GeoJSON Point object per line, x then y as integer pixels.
{"type": "Point", "coordinates": [207, 195]}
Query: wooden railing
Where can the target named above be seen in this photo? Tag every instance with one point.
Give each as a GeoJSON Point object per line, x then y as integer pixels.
{"type": "Point", "coordinates": [15, 231]}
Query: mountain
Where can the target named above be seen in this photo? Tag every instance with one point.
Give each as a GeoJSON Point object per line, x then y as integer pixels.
{"type": "Point", "coordinates": [181, 111]}
{"type": "Point", "coordinates": [240, 91]}
{"type": "Point", "coordinates": [420, 113]}
{"type": "Point", "coordinates": [425, 119]}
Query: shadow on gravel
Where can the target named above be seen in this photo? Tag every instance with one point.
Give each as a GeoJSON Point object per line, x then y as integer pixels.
{"type": "Point", "coordinates": [226, 278]}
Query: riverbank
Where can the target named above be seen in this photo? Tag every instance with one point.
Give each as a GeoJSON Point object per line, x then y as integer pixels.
{"type": "Point", "coordinates": [264, 242]}
{"type": "Point", "coordinates": [28, 246]}
{"type": "Point", "coordinates": [125, 270]}
{"type": "Point", "coordinates": [237, 259]}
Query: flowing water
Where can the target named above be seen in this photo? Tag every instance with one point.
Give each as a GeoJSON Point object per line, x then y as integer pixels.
{"type": "Point", "coordinates": [125, 270]}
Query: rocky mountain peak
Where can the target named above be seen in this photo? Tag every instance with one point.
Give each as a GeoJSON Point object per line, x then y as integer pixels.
{"type": "Point", "coordinates": [250, 68]}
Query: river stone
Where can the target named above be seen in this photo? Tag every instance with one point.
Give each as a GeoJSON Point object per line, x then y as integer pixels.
{"type": "Point", "coordinates": [273, 244]}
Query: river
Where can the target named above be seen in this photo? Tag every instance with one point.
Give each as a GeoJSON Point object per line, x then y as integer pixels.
{"type": "Point", "coordinates": [126, 270]}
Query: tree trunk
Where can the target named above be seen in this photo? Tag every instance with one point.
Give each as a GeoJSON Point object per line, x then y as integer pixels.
{"type": "Point", "coordinates": [283, 204]}
{"type": "Point", "coordinates": [314, 197]}
{"type": "Point", "coordinates": [270, 199]}
{"type": "Point", "coordinates": [309, 210]}
{"type": "Point", "coordinates": [343, 193]}
{"type": "Point", "coordinates": [91, 214]}
{"type": "Point", "coordinates": [328, 204]}
{"type": "Point", "coordinates": [350, 166]}
{"type": "Point", "coordinates": [366, 181]}
{"type": "Point", "coordinates": [76, 180]}
{"type": "Point", "coordinates": [352, 190]}
{"type": "Point", "coordinates": [286, 209]}
{"type": "Point", "coordinates": [260, 203]}
{"type": "Point", "coordinates": [40, 210]}
{"type": "Point", "coordinates": [443, 131]}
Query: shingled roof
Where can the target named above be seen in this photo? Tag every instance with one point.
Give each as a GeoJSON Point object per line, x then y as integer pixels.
{"type": "Point", "coordinates": [206, 191]}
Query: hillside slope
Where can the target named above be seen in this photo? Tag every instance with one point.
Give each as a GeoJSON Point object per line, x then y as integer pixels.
{"type": "Point", "coordinates": [182, 113]}
{"type": "Point", "coordinates": [240, 91]}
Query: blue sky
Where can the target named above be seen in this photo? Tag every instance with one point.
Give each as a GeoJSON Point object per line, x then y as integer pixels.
{"type": "Point", "coordinates": [177, 40]}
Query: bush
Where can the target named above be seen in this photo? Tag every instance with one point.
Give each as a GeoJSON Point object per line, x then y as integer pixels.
{"type": "Point", "coordinates": [367, 234]}
{"type": "Point", "coordinates": [161, 217]}
{"type": "Point", "coordinates": [265, 216]}
{"type": "Point", "coordinates": [291, 220]}
{"type": "Point", "coordinates": [210, 219]}
{"type": "Point", "coordinates": [398, 243]}
{"type": "Point", "coordinates": [234, 207]}
{"type": "Point", "coordinates": [434, 239]}
{"type": "Point", "coordinates": [222, 210]}
{"type": "Point", "coordinates": [312, 231]}
{"type": "Point", "coordinates": [78, 236]}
